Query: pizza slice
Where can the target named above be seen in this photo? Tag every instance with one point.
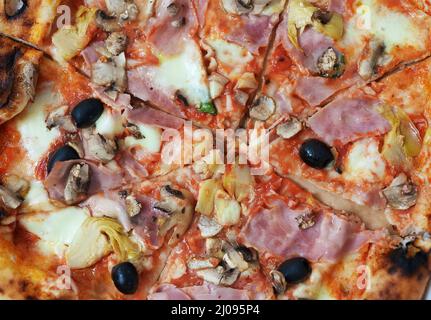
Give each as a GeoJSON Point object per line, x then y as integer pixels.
{"type": "Point", "coordinates": [366, 146]}
{"type": "Point", "coordinates": [324, 47]}
{"type": "Point", "coordinates": [19, 72]}
{"type": "Point", "coordinates": [71, 194]}
{"type": "Point", "coordinates": [28, 20]}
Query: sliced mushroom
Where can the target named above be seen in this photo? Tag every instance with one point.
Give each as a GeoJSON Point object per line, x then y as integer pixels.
{"type": "Point", "coordinates": [247, 81]}
{"type": "Point", "coordinates": [110, 73]}
{"type": "Point", "coordinates": [14, 8]}
{"type": "Point", "coordinates": [248, 254]}
{"type": "Point", "coordinates": [7, 76]}
{"type": "Point", "coordinates": [178, 23]}
{"type": "Point", "coordinates": [216, 84]}
{"type": "Point", "coordinates": [331, 64]}
{"type": "Point", "coordinates": [107, 22]}
{"type": "Point", "coordinates": [10, 200]}
{"type": "Point", "coordinates": [124, 9]}
{"type": "Point", "coordinates": [208, 227]}
{"type": "Point", "coordinates": [116, 43]}
{"type": "Point", "coordinates": [213, 247]}
{"type": "Point", "coordinates": [168, 191]}
{"type": "Point", "coordinates": [289, 129]}
{"type": "Point", "coordinates": [234, 259]}
{"type": "Point", "coordinates": [211, 275]}
{"type": "Point", "coordinates": [197, 263]}
{"type": "Point", "coordinates": [173, 9]}
{"type": "Point", "coordinates": [306, 220]}
{"type": "Point", "coordinates": [133, 206]}
{"type": "Point", "coordinates": [229, 277]}
{"type": "Point", "coordinates": [77, 183]}
{"type": "Point", "coordinates": [401, 194]}
{"type": "Point", "coordinates": [17, 185]}
{"type": "Point", "coordinates": [98, 146]}
{"type": "Point", "coordinates": [373, 57]}
{"type": "Point", "coordinates": [278, 281]}
{"type": "Point", "coordinates": [238, 6]}
{"type": "Point", "coordinates": [59, 118]}
{"type": "Point", "coordinates": [262, 108]}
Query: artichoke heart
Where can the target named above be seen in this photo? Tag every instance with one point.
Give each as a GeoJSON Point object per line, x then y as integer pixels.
{"type": "Point", "coordinates": [70, 40]}
{"type": "Point", "coordinates": [96, 238]}
{"type": "Point", "coordinates": [403, 140]}
{"type": "Point", "coordinates": [303, 14]}
{"type": "Point", "coordinates": [238, 182]}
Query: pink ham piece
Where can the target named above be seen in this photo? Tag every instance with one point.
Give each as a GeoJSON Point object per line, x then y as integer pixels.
{"type": "Point", "coordinates": [101, 178]}
{"type": "Point", "coordinates": [276, 231]}
{"type": "Point", "coordinates": [134, 171]}
{"type": "Point", "coordinates": [254, 33]}
{"type": "Point", "coordinates": [154, 117]}
{"type": "Point", "coordinates": [206, 291]}
{"type": "Point", "coordinates": [141, 85]}
{"type": "Point", "coordinates": [168, 32]}
{"type": "Point", "coordinates": [345, 120]}
{"type": "Point", "coordinates": [121, 103]}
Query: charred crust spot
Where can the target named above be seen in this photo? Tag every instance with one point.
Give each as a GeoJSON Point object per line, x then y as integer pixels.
{"type": "Point", "coordinates": [407, 262]}
{"type": "Point", "coordinates": [7, 75]}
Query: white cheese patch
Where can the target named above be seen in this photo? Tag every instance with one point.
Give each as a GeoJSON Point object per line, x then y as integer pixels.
{"type": "Point", "coordinates": [184, 72]}
{"type": "Point", "coordinates": [392, 27]}
{"type": "Point", "coordinates": [151, 141]}
{"type": "Point", "coordinates": [35, 137]}
{"type": "Point", "coordinates": [231, 55]}
{"type": "Point", "coordinates": [364, 162]}
{"type": "Point", "coordinates": [109, 124]}
{"type": "Point", "coordinates": [55, 229]}
{"type": "Point", "coordinates": [36, 199]}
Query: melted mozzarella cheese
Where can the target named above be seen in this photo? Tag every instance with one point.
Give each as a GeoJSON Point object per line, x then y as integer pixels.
{"type": "Point", "coordinates": [109, 124]}
{"type": "Point", "coordinates": [394, 28]}
{"type": "Point", "coordinates": [151, 141]}
{"type": "Point", "coordinates": [231, 55]}
{"type": "Point", "coordinates": [36, 199]}
{"type": "Point", "coordinates": [55, 229]}
{"type": "Point", "coordinates": [184, 72]}
{"type": "Point", "coordinates": [364, 162]}
{"type": "Point", "coordinates": [35, 137]}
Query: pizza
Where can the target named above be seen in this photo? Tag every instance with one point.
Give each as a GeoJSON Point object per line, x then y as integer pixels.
{"type": "Point", "coordinates": [215, 149]}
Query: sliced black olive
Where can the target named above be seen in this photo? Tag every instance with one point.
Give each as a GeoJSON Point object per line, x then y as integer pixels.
{"type": "Point", "coordinates": [407, 263]}
{"type": "Point", "coordinates": [86, 113]}
{"type": "Point", "coordinates": [63, 154]}
{"type": "Point", "coordinates": [125, 277]}
{"type": "Point", "coordinates": [316, 154]}
{"type": "Point", "coordinates": [295, 270]}
{"type": "Point", "coordinates": [14, 8]}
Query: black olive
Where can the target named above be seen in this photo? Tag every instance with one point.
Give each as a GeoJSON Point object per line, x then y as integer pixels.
{"type": "Point", "coordinates": [125, 277]}
{"type": "Point", "coordinates": [295, 270]}
{"type": "Point", "coordinates": [407, 264]}
{"type": "Point", "coordinates": [86, 113]}
{"type": "Point", "coordinates": [316, 153]}
{"type": "Point", "coordinates": [62, 154]}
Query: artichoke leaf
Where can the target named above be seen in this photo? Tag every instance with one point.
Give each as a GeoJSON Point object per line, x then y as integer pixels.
{"type": "Point", "coordinates": [333, 29]}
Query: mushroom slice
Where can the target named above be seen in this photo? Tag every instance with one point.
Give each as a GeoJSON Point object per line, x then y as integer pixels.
{"type": "Point", "coordinates": [401, 194]}
{"type": "Point", "coordinates": [116, 43]}
{"type": "Point", "coordinates": [208, 227]}
{"type": "Point", "coordinates": [98, 146]}
{"type": "Point", "coordinates": [213, 247]}
{"type": "Point", "coordinates": [16, 185]}
{"type": "Point", "coordinates": [133, 206]}
{"type": "Point", "coordinates": [216, 84]}
{"type": "Point", "coordinates": [234, 258]}
{"type": "Point", "coordinates": [229, 277]}
{"type": "Point", "coordinates": [60, 118]}
{"type": "Point", "coordinates": [110, 73]}
{"type": "Point", "coordinates": [124, 9]}
{"type": "Point", "coordinates": [196, 263]}
{"type": "Point", "coordinates": [331, 64]}
{"type": "Point", "coordinates": [168, 191]}
{"type": "Point", "coordinates": [106, 22]}
{"type": "Point", "coordinates": [211, 275]}
{"type": "Point", "coordinates": [238, 6]}
{"type": "Point", "coordinates": [262, 108]}
{"type": "Point", "coordinates": [289, 129]}
{"type": "Point", "coordinates": [373, 57]}
{"type": "Point", "coordinates": [14, 8]}
{"type": "Point", "coordinates": [9, 199]}
{"type": "Point", "coordinates": [278, 281]}
{"type": "Point", "coordinates": [77, 183]}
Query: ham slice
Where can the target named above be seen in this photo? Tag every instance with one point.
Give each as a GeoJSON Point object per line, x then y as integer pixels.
{"type": "Point", "coordinates": [134, 171]}
{"type": "Point", "coordinates": [141, 85]}
{"type": "Point", "coordinates": [154, 117]}
{"type": "Point", "coordinates": [121, 103]}
{"type": "Point", "coordinates": [345, 120]}
{"type": "Point", "coordinates": [276, 231]}
{"type": "Point", "coordinates": [101, 178]}
{"type": "Point", "coordinates": [206, 291]}
{"type": "Point", "coordinates": [254, 33]}
{"type": "Point", "coordinates": [165, 34]}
